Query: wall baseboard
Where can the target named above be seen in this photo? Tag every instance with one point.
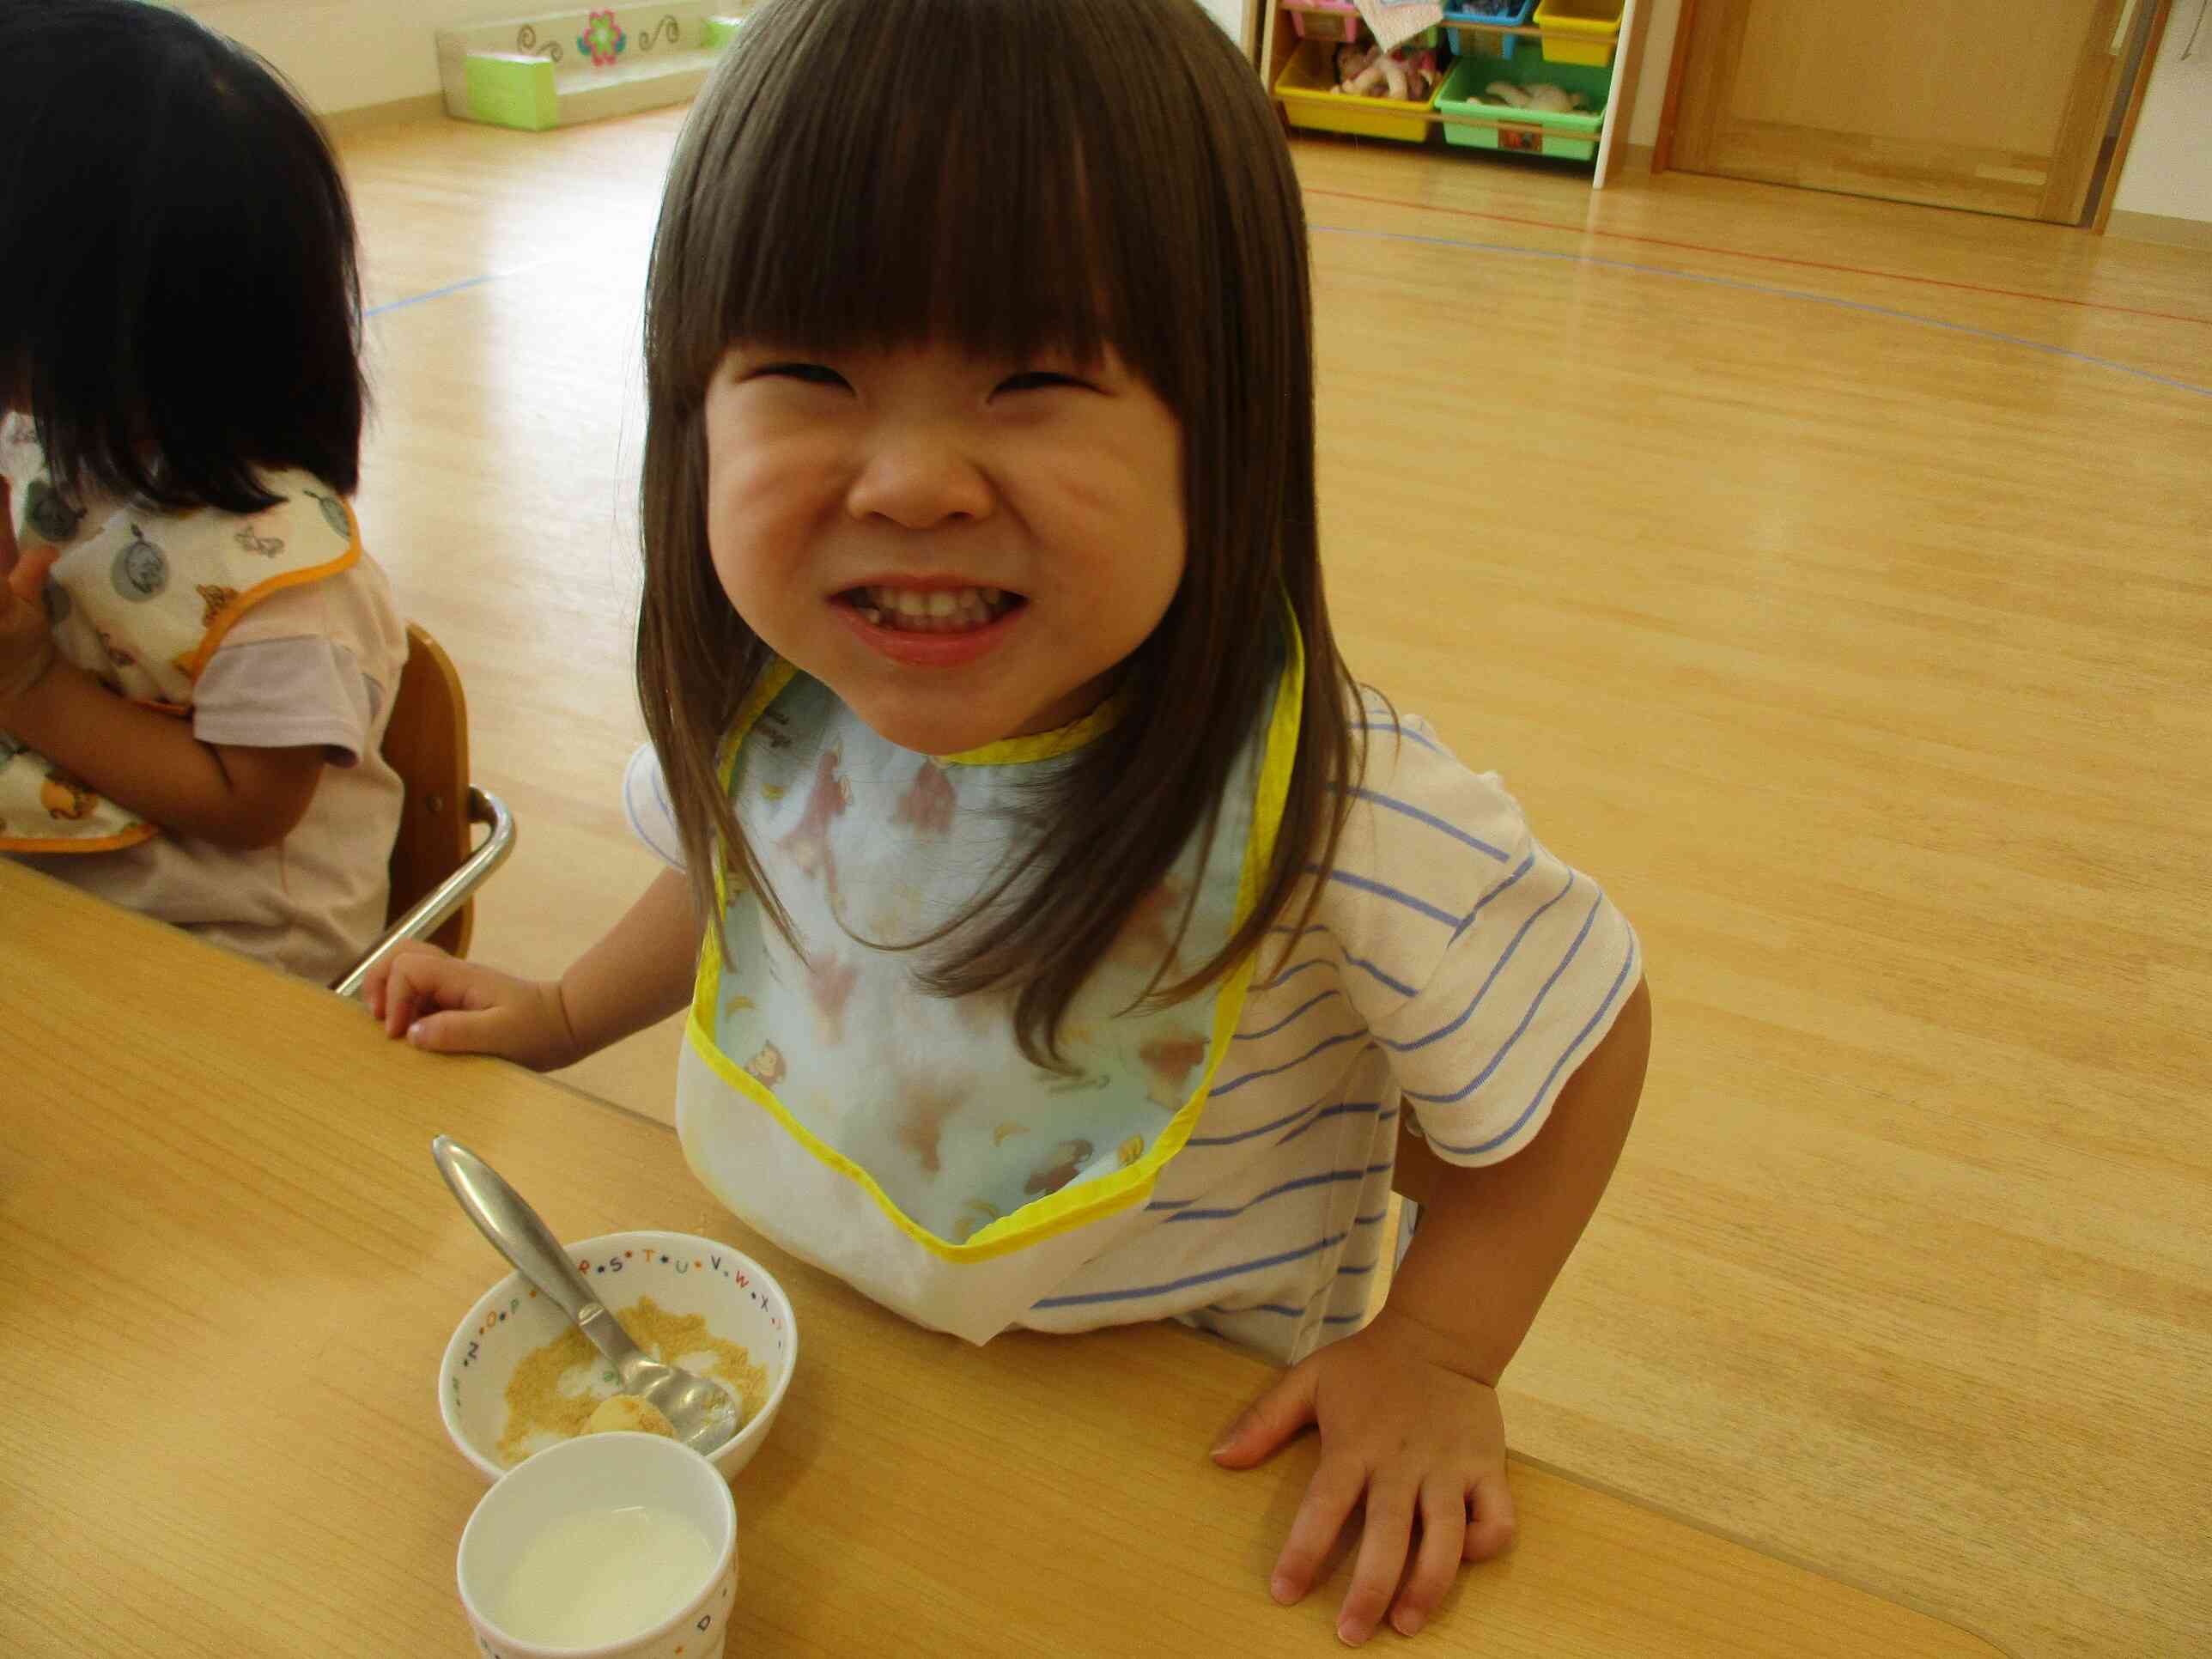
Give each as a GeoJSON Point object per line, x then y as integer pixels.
{"type": "Point", "coordinates": [340, 123]}
{"type": "Point", "coordinates": [2160, 227]}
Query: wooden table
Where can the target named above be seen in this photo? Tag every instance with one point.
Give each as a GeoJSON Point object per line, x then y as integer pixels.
{"type": "Point", "coordinates": [231, 1270]}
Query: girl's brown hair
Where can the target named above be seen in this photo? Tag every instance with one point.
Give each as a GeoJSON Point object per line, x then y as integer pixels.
{"type": "Point", "coordinates": [1012, 176]}
{"type": "Point", "coordinates": [180, 291]}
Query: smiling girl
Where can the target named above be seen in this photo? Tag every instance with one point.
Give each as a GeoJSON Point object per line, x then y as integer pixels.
{"type": "Point", "coordinates": [1068, 940]}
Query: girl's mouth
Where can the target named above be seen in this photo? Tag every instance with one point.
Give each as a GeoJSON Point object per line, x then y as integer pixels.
{"type": "Point", "coordinates": [933, 610]}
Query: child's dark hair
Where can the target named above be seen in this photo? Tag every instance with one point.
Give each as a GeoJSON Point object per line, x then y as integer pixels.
{"type": "Point", "coordinates": [179, 301]}
{"type": "Point", "coordinates": [1013, 176]}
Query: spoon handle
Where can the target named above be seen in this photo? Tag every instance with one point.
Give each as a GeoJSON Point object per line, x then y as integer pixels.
{"type": "Point", "coordinates": [516, 1233]}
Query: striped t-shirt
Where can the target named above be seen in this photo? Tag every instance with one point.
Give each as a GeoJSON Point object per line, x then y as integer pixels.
{"type": "Point", "coordinates": [1453, 970]}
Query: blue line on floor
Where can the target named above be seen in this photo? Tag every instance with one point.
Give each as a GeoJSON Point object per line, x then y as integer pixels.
{"type": "Point", "coordinates": [434, 294]}
{"type": "Point", "coordinates": [1766, 287]}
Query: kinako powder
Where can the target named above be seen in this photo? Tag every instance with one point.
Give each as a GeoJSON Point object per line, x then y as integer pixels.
{"type": "Point", "coordinates": [536, 1403]}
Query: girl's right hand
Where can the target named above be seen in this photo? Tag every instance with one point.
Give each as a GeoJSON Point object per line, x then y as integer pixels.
{"type": "Point", "coordinates": [454, 1007]}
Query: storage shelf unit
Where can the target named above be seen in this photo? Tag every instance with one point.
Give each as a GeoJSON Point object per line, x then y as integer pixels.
{"type": "Point", "coordinates": [1279, 44]}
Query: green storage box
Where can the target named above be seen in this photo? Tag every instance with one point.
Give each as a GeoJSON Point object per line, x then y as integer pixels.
{"type": "Point", "coordinates": [512, 89]}
{"type": "Point", "coordinates": [1572, 136]}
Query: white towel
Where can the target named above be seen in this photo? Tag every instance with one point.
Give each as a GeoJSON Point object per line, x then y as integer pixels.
{"type": "Point", "coordinates": [1395, 20]}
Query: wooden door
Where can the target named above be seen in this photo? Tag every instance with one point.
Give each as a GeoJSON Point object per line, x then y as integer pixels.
{"type": "Point", "coordinates": [1997, 106]}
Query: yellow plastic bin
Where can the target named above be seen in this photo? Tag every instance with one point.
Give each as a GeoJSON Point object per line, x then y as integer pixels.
{"type": "Point", "coordinates": [1307, 87]}
{"type": "Point", "coordinates": [1594, 25]}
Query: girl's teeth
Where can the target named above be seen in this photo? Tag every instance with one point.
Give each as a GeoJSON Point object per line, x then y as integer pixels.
{"type": "Point", "coordinates": [942, 611]}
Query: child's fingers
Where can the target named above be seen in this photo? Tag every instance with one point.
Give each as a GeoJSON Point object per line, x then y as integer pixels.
{"type": "Point", "coordinates": [1435, 1563]}
{"type": "Point", "coordinates": [1270, 1420]}
{"type": "Point", "coordinates": [1330, 1497]}
{"type": "Point", "coordinates": [1493, 1528]}
{"type": "Point", "coordinates": [1383, 1538]}
{"type": "Point", "coordinates": [28, 580]}
{"type": "Point", "coordinates": [415, 978]}
{"type": "Point", "coordinates": [373, 988]}
{"type": "Point", "coordinates": [377, 976]}
{"type": "Point", "coordinates": [373, 992]}
{"type": "Point", "coordinates": [459, 1031]}
{"type": "Point", "coordinates": [395, 998]}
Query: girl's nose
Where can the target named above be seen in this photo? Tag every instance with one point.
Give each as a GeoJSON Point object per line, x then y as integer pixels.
{"type": "Point", "coordinates": [919, 480]}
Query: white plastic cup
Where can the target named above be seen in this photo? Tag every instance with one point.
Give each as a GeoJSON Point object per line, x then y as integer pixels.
{"type": "Point", "coordinates": [597, 1472]}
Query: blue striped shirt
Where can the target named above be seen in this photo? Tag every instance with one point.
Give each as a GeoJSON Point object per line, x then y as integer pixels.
{"type": "Point", "coordinates": [1451, 976]}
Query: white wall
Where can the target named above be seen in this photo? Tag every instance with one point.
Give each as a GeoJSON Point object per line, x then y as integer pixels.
{"type": "Point", "coordinates": [1230, 14]}
{"type": "Point", "coordinates": [2169, 167]}
{"type": "Point", "coordinates": [1652, 84]}
{"type": "Point", "coordinates": [342, 54]}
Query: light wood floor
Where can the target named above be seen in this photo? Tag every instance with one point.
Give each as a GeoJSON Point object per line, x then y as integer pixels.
{"type": "Point", "coordinates": [1847, 618]}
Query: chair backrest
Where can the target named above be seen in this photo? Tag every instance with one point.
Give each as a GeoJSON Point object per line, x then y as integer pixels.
{"type": "Point", "coordinates": [427, 743]}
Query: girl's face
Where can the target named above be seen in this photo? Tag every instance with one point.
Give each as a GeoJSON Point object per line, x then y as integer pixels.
{"type": "Point", "coordinates": [963, 550]}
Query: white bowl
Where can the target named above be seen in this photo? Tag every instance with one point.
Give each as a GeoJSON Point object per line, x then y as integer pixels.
{"type": "Point", "coordinates": [599, 1472]}
{"type": "Point", "coordinates": [684, 1274]}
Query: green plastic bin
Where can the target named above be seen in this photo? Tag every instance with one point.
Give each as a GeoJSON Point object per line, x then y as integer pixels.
{"type": "Point", "coordinates": [1572, 136]}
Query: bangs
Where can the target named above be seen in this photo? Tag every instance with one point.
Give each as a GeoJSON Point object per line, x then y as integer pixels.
{"type": "Point", "coordinates": [880, 174]}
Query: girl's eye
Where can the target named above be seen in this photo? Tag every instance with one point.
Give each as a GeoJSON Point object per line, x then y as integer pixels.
{"type": "Point", "coordinates": [1039, 380]}
{"type": "Point", "coordinates": [806, 374]}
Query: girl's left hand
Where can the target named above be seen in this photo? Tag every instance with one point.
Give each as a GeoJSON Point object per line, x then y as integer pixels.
{"type": "Point", "coordinates": [27, 647]}
{"type": "Point", "coordinates": [1412, 1437]}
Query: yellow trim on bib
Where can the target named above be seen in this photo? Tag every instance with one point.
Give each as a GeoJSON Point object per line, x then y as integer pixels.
{"type": "Point", "coordinates": [230, 614]}
{"type": "Point", "coordinates": [1046, 745]}
{"type": "Point", "coordinates": [137, 835]}
{"type": "Point", "coordinates": [1075, 1206]}
{"type": "Point", "coordinates": [767, 685]}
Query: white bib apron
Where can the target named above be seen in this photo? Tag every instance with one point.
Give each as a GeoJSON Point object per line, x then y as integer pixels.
{"type": "Point", "coordinates": [141, 601]}
{"type": "Point", "coordinates": [898, 1139]}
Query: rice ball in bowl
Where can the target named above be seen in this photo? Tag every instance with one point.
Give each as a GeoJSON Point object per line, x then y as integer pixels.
{"type": "Point", "coordinates": [517, 1377]}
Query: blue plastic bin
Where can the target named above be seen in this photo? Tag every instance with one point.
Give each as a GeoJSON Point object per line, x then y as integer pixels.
{"type": "Point", "coordinates": [1466, 18]}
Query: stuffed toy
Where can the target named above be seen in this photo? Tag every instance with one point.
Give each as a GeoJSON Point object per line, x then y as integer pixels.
{"type": "Point", "coordinates": [1553, 100]}
{"type": "Point", "coordinates": [1372, 72]}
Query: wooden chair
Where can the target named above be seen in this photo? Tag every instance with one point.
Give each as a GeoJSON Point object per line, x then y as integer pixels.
{"type": "Point", "coordinates": [436, 865]}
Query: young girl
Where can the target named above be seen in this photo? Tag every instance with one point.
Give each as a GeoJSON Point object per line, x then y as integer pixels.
{"type": "Point", "coordinates": [197, 660]}
{"type": "Point", "coordinates": [1067, 939]}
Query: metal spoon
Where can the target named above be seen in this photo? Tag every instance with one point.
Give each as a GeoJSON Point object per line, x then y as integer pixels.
{"type": "Point", "coordinates": [701, 1411]}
